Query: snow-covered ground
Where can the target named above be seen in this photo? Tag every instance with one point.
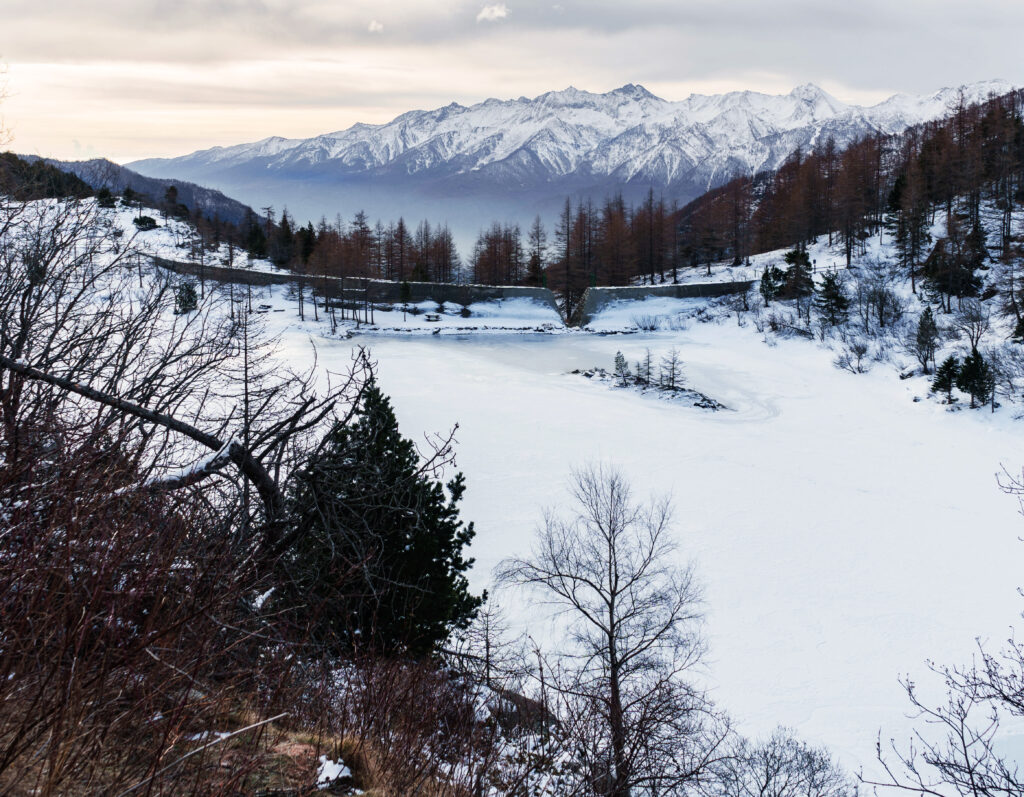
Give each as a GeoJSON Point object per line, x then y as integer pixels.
{"type": "Point", "coordinates": [844, 533]}
{"type": "Point", "coordinates": [631, 315]}
{"type": "Point", "coordinates": [172, 240]}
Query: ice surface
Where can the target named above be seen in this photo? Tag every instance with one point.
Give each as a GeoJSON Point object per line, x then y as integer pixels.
{"type": "Point", "coordinates": [844, 533]}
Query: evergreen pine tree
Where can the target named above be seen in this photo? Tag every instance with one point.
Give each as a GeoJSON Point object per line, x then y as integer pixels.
{"type": "Point", "coordinates": [946, 376]}
{"type": "Point", "coordinates": [831, 300]}
{"type": "Point", "coordinates": [186, 299]}
{"type": "Point", "coordinates": [975, 378]}
{"type": "Point", "coordinates": [104, 198]}
{"type": "Point", "coordinates": [282, 242]}
{"type": "Point", "coordinates": [254, 240]}
{"type": "Point", "coordinates": [798, 280]}
{"type": "Point", "coordinates": [379, 563]}
{"type": "Point", "coordinates": [534, 270]}
{"type": "Point", "coordinates": [772, 279]}
{"type": "Point", "coordinates": [975, 250]}
{"type": "Point", "coordinates": [621, 368]}
{"type": "Point", "coordinates": [927, 337]}
{"type": "Point", "coordinates": [950, 268]}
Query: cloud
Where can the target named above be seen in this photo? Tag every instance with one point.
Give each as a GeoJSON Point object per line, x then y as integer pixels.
{"type": "Point", "coordinates": [238, 70]}
{"type": "Point", "coordinates": [492, 13]}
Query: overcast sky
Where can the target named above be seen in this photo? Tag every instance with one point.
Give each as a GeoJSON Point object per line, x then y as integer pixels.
{"type": "Point", "coordinates": [128, 79]}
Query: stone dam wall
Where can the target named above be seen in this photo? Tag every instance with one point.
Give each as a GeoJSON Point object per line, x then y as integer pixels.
{"type": "Point", "coordinates": [388, 292]}
{"type": "Point", "coordinates": [596, 299]}
{"type": "Point", "coordinates": [361, 288]}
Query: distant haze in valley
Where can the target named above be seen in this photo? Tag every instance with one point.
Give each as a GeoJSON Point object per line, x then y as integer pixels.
{"type": "Point", "coordinates": [511, 160]}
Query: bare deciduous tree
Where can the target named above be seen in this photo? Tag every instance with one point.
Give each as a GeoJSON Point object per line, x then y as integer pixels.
{"type": "Point", "coordinates": [672, 369]}
{"type": "Point", "coordinates": [972, 320]}
{"type": "Point", "coordinates": [957, 749]}
{"type": "Point", "coordinates": [86, 336]}
{"type": "Point", "coordinates": [780, 766]}
{"type": "Point", "coordinates": [634, 619]}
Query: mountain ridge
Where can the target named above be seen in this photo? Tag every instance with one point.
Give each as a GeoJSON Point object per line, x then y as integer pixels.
{"type": "Point", "coordinates": [535, 151]}
{"type": "Point", "coordinates": [416, 128]}
{"type": "Point", "coordinates": [103, 173]}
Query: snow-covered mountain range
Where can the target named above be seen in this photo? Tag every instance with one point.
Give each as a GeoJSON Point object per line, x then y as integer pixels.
{"type": "Point", "coordinates": [499, 154]}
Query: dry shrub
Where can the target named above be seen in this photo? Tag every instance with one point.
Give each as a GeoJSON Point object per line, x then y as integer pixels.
{"type": "Point", "coordinates": [409, 727]}
{"type": "Point", "coordinates": [125, 641]}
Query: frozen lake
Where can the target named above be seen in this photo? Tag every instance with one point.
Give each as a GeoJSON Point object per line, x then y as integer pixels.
{"type": "Point", "coordinates": [844, 534]}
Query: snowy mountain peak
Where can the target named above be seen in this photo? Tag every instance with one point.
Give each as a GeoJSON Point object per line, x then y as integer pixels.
{"type": "Point", "coordinates": [559, 142]}
{"type": "Point", "coordinates": [569, 97]}
{"type": "Point", "coordinates": [818, 98]}
{"type": "Point", "coordinates": [636, 92]}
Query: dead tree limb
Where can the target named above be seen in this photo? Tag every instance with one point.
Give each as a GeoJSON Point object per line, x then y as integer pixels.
{"type": "Point", "coordinates": [268, 490]}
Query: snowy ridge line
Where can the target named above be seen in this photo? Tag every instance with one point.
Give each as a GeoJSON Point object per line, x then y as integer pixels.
{"type": "Point", "coordinates": [626, 134]}
{"type": "Point", "coordinates": [597, 299]}
{"type": "Point", "coordinates": [360, 288]}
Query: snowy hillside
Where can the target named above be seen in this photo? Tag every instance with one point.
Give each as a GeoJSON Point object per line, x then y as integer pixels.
{"type": "Point", "coordinates": [826, 512]}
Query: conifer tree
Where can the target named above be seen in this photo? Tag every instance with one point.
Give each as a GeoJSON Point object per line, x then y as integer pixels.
{"type": "Point", "coordinates": [950, 268]}
{"type": "Point", "coordinates": [537, 245]}
{"type": "Point", "coordinates": [831, 299]}
{"type": "Point", "coordinates": [254, 238]}
{"type": "Point", "coordinates": [671, 370]}
{"type": "Point", "coordinates": [975, 248]}
{"type": "Point", "coordinates": [379, 563]}
{"type": "Point", "coordinates": [104, 198]}
{"type": "Point", "coordinates": [975, 378]}
{"type": "Point", "coordinates": [186, 299]}
{"type": "Point", "coordinates": [772, 279]}
{"type": "Point", "coordinates": [927, 338]}
{"type": "Point", "coordinates": [645, 369]}
{"type": "Point", "coordinates": [282, 241]}
{"type": "Point", "coordinates": [621, 368]}
{"type": "Point", "coordinates": [799, 280]}
{"type": "Point", "coordinates": [946, 377]}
